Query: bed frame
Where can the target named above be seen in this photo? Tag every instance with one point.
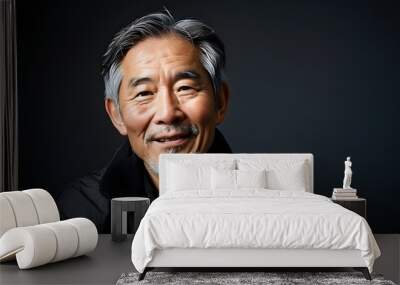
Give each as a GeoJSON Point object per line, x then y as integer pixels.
{"type": "Point", "coordinates": [246, 258]}
{"type": "Point", "coordinates": [241, 259]}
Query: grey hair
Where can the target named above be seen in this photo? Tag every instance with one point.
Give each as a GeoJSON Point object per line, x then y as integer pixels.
{"type": "Point", "coordinates": [212, 51]}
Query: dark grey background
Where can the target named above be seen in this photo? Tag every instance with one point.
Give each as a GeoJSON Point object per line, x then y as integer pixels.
{"type": "Point", "coordinates": [306, 76]}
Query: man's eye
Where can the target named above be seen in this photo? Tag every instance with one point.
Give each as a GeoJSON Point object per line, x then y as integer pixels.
{"type": "Point", "coordinates": [143, 93]}
{"type": "Point", "coordinates": [183, 88]}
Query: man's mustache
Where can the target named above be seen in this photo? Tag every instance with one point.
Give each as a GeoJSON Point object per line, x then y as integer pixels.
{"type": "Point", "coordinates": [187, 129]}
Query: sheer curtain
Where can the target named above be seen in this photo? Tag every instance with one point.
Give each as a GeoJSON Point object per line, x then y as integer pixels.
{"type": "Point", "coordinates": [8, 97]}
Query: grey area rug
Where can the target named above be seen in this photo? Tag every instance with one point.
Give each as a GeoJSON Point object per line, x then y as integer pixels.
{"type": "Point", "coordinates": [230, 278]}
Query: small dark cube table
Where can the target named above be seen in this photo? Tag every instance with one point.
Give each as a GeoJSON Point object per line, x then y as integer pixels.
{"type": "Point", "coordinates": [120, 207]}
{"type": "Point", "coordinates": [357, 205]}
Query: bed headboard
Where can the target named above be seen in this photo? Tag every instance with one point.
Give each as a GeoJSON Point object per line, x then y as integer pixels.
{"type": "Point", "coordinates": [269, 158]}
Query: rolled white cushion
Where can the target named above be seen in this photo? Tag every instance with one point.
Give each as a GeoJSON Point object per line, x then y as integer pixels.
{"type": "Point", "coordinates": [87, 234]}
{"type": "Point", "coordinates": [23, 208]}
{"type": "Point", "coordinates": [26, 208]}
{"type": "Point", "coordinates": [7, 218]}
{"type": "Point", "coordinates": [40, 244]}
{"type": "Point", "coordinates": [33, 246]}
{"type": "Point", "coordinates": [67, 240]}
{"type": "Point", "coordinates": [46, 208]}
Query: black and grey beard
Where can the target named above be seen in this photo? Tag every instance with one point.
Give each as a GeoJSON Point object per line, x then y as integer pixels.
{"type": "Point", "coordinates": [190, 129]}
{"type": "Point", "coordinates": [154, 166]}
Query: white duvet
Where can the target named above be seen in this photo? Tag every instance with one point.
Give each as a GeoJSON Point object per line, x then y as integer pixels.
{"type": "Point", "coordinates": [250, 218]}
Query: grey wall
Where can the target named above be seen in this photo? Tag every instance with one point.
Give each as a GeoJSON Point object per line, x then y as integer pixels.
{"type": "Point", "coordinates": [306, 76]}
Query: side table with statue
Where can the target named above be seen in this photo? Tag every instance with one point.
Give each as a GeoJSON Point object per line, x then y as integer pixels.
{"type": "Point", "coordinates": [347, 196]}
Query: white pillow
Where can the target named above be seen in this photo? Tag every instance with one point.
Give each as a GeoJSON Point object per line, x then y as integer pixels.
{"type": "Point", "coordinates": [281, 174]}
{"type": "Point", "coordinates": [223, 179]}
{"type": "Point", "coordinates": [251, 178]}
{"type": "Point", "coordinates": [235, 179]}
{"type": "Point", "coordinates": [181, 177]}
{"type": "Point", "coordinates": [188, 175]}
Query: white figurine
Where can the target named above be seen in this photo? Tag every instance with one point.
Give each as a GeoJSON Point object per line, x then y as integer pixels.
{"type": "Point", "coordinates": [347, 174]}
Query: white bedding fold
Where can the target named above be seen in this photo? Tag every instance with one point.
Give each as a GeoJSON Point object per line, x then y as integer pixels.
{"type": "Point", "coordinates": [250, 218]}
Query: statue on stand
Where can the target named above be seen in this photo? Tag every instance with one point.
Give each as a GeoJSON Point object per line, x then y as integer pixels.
{"type": "Point", "coordinates": [348, 173]}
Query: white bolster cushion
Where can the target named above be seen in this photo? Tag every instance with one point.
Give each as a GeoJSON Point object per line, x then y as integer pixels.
{"type": "Point", "coordinates": [26, 208]}
{"type": "Point", "coordinates": [45, 205]}
{"type": "Point", "coordinates": [23, 209]}
{"type": "Point", "coordinates": [7, 219]}
{"type": "Point", "coordinates": [67, 240]}
{"type": "Point", "coordinates": [40, 244]}
{"type": "Point", "coordinates": [87, 235]}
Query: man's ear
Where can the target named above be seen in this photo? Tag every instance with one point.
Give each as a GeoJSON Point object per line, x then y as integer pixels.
{"type": "Point", "coordinates": [223, 102]}
{"type": "Point", "coordinates": [115, 116]}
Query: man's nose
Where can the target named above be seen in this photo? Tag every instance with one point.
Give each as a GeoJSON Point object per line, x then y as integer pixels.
{"type": "Point", "coordinates": [168, 108]}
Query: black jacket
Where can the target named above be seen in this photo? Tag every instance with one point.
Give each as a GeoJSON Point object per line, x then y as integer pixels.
{"type": "Point", "coordinates": [125, 175]}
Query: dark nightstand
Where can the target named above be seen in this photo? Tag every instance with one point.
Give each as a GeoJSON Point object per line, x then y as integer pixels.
{"type": "Point", "coordinates": [119, 215]}
{"type": "Point", "coordinates": [357, 205]}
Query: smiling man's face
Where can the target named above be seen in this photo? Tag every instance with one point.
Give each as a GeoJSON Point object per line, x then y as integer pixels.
{"type": "Point", "coordinates": [166, 100]}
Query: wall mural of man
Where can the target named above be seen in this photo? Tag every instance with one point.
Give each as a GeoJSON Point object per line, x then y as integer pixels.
{"type": "Point", "coordinates": [164, 91]}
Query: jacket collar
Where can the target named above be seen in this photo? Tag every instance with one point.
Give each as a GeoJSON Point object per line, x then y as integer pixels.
{"type": "Point", "coordinates": [126, 171]}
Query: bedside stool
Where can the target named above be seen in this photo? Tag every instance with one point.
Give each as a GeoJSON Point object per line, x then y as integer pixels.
{"type": "Point", "coordinates": [357, 205]}
{"type": "Point", "coordinates": [119, 209]}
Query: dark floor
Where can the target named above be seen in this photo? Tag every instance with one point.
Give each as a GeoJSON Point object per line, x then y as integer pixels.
{"type": "Point", "coordinates": [106, 264]}
{"type": "Point", "coordinates": [389, 262]}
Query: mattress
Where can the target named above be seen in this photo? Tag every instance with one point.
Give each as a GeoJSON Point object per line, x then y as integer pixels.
{"type": "Point", "coordinates": [250, 218]}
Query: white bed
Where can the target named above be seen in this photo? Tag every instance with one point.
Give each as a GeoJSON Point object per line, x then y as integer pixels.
{"type": "Point", "coordinates": [201, 219]}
